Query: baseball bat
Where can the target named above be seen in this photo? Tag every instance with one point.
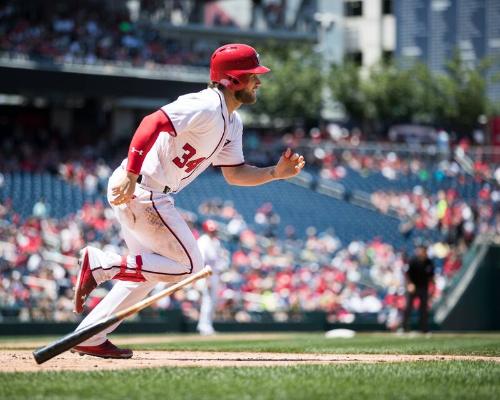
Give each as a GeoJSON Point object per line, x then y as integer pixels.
{"type": "Point", "coordinates": [74, 338]}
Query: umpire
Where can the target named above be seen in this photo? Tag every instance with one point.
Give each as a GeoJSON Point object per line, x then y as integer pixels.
{"type": "Point", "coordinates": [418, 276]}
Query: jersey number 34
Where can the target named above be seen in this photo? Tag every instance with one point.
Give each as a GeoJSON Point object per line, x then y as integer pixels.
{"type": "Point", "coordinates": [184, 162]}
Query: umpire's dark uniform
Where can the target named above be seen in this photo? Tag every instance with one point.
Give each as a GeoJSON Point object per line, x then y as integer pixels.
{"type": "Point", "coordinates": [420, 273]}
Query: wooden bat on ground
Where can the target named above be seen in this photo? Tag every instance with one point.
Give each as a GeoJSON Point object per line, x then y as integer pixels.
{"type": "Point", "coordinates": [67, 342]}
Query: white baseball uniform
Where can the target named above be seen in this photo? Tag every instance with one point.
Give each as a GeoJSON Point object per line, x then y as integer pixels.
{"type": "Point", "coordinates": [151, 226]}
{"type": "Point", "coordinates": [214, 255]}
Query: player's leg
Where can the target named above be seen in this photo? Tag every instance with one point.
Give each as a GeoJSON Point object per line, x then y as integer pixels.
{"type": "Point", "coordinates": [424, 309]}
{"type": "Point", "coordinates": [123, 294]}
{"type": "Point", "coordinates": [148, 226]}
{"type": "Point", "coordinates": [208, 306]}
{"type": "Point", "coordinates": [408, 309]}
{"type": "Point", "coordinates": [214, 288]}
{"type": "Point", "coordinates": [204, 325]}
{"type": "Point", "coordinates": [164, 248]}
{"type": "Point", "coordinates": [143, 243]}
{"type": "Point", "coordinates": [168, 250]}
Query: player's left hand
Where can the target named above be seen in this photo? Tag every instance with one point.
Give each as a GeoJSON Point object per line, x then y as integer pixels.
{"type": "Point", "coordinates": [123, 191]}
{"type": "Point", "coordinates": [289, 164]}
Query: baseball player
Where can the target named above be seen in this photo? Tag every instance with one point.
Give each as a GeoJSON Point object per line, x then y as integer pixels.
{"type": "Point", "coordinates": [169, 149]}
{"type": "Point", "coordinates": [214, 255]}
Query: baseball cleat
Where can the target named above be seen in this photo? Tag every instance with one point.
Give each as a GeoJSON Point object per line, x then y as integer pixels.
{"type": "Point", "coordinates": [85, 282]}
{"type": "Point", "coordinates": [104, 350]}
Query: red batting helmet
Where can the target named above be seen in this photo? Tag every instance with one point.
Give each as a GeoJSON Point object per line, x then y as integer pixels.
{"type": "Point", "coordinates": [209, 226]}
{"type": "Point", "coordinates": [231, 64]}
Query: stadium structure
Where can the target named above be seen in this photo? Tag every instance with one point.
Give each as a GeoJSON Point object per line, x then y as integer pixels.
{"type": "Point", "coordinates": [326, 249]}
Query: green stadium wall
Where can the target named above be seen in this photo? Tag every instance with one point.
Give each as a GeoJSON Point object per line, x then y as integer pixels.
{"type": "Point", "coordinates": [173, 321]}
{"type": "Point", "coordinates": [473, 303]}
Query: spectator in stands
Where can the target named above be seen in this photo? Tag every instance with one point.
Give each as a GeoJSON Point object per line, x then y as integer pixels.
{"type": "Point", "coordinates": [419, 276]}
{"type": "Point", "coordinates": [41, 209]}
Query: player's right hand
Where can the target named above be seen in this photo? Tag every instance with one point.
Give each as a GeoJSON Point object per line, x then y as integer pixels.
{"type": "Point", "coordinates": [123, 191]}
{"type": "Point", "coordinates": [290, 164]}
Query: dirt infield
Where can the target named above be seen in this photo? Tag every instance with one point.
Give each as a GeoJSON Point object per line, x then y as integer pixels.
{"type": "Point", "coordinates": [16, 356]}
{"type": "Point", "coordinates": [22, 360]}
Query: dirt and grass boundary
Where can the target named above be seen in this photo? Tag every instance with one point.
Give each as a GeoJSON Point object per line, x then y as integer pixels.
{"type": "Point", "coordinates": [16, 355]}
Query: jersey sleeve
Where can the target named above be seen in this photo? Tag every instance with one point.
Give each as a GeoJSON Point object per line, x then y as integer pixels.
{"type": "Point", "coordinates": [231, 154]}
{"type": "Point", "coordinates": [145, 136]}
{"type": "Point", "coordinates": [187, 114]}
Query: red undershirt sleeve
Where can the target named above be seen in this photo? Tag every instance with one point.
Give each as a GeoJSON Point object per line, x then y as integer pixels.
{"type": "Point", "coordinates": [144, 138]}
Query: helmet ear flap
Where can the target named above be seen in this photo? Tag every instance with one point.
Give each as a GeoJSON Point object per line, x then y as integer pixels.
{"type": "Point", "coordinates": [225, 82]}
{"type": "Point", "coordinates": [233, 82]}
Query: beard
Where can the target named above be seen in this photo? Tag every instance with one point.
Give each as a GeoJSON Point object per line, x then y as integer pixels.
{"type": "Point", "coordinates": [245, 96]}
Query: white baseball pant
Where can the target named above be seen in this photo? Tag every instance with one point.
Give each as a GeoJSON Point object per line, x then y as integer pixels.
{"type": "Point", "coordinates": [208, 304]}
{"type": "Point", "coordinates": [153, 229]}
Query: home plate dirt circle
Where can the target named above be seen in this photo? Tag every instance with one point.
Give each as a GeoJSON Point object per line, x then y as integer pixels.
{"type": "Point", "coordinates": [22, 360]}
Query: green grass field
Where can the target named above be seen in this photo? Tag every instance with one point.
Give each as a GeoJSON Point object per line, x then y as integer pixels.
{"type": "Point", "coordinates": [402, 380]}
{"type": "Point", "coordinates": [464, 344]}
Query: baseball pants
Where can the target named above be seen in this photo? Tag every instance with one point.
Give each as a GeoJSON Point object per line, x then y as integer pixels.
{"type": "Point", "coordinates": [208, 304]}
{"type": "Point", "coordinates": [153, 229]}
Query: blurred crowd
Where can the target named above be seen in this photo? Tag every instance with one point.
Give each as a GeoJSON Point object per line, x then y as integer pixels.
{"type": "Point", "coordinates": [88, 32]}
{"type": "Point", "coordinates": [38, 263]}
{"type": "Point", "coordinates": [428, 166]}
{"type": "Point", "coordinates": [454, 216]}
{"type": "Point", "coordinates": [269, 274]}
{"type": "Point", "coordinates": [87, 35]}
{"type": "Point", "coordinates": [279, 276]}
